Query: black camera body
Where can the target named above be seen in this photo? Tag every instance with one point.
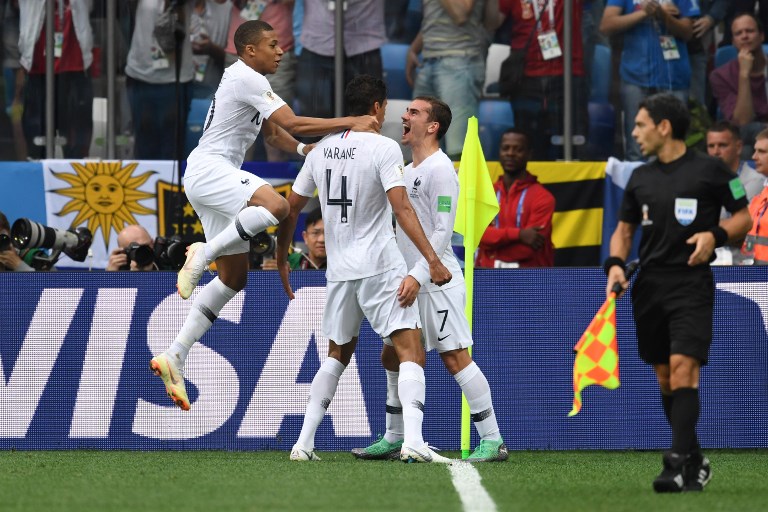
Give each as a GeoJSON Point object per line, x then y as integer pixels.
{"type": "Point", "coordinates": [143, 255]}
{"type": "Point", "coordinates": [5, 242]}
{"type": "Point", "coordinates": [170, 252]}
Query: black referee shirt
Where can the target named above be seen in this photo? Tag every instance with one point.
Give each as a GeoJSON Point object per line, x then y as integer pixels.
{"type": "Point", "coordinates": [673, 201]}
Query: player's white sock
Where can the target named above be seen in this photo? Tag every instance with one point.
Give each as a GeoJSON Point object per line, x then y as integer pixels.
{"type": "Point", "coordinates": [320, 395]}
{"type": "Point", "coordinates": [248, 222]}
{"type": "Point", "coordinates": [205, 309]}
{"type": "Point", "coordinates": [475, 387]}
{"type": "Point", "coordinates": [412, 390]}
{"type": "Point", "coordinates": [394, 410]}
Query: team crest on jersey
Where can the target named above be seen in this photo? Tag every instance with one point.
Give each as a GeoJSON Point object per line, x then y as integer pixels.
{"type": "Point", "coordinates": [685, 210]}
{"type": "Point", "coordinates": [415, 188]}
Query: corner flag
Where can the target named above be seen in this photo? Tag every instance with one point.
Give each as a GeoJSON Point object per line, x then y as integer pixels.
{"type": "Point", "coordinates": [476, 210]}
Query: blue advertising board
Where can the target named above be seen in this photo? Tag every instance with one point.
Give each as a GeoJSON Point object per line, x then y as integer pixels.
{"type": "Point", "coordinates": [75, 347]}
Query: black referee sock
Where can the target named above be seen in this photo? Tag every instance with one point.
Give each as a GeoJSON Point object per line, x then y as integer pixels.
{"type": "Point", "coordinates": [684, 416]}
{"type": "Point", "coordinates": [666, 403]}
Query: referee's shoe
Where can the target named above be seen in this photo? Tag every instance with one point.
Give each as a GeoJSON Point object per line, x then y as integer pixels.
{"type": "Point", "coordinates": [698, 473]}
{"type": "Point", "coordinates": [671, 478]}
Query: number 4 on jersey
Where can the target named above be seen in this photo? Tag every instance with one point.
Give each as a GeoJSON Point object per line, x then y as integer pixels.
{"type": "Point", "coordinates": [344, 201]}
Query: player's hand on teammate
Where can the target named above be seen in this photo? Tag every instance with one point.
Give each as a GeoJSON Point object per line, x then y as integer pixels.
{"type": "Point", "coordinates": [438, 273]}
{"type": "Point", "coordinates": [285, 270]}
{"type": "Point", "coordinates": [705, 245]}
{"type": "Point", "coordinates": [365, 124]}
{"type": "Point", "coordinates": [408, 291]}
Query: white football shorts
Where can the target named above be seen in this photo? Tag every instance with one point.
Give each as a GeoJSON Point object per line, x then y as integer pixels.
{"type": "Point", "coordinates": [217, 194]}
{"type": "Point", "coordinates": [374, 298]}
{"type": "Point", "coordinates": [444, 325]}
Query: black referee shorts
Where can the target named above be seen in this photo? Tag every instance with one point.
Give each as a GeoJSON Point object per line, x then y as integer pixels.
{"type": "Point", "coordinates": [673, 313]}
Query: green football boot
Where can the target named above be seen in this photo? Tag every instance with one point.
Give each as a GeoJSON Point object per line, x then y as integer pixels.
{"type": "Point", "coordinates": [380, 450]}
{"type": "Point", "coordinates": [489, 451]}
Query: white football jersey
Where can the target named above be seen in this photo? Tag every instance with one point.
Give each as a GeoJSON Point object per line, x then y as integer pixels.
{"type": "Point", "coordinates": [352, 172]}
{"type": "Point", "coordinates": [241, 103]}
{"type": "Point", "coordinates": [433, 188]}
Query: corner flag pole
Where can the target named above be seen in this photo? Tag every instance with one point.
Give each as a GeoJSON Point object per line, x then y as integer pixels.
{"type": "Point", "coordinates": [477, 207]}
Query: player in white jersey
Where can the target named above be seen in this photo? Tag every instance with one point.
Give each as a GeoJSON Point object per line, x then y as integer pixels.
{"type": "Point", "coordinates": [433, 188]}
{"type": "Point", "coordinates": [234, 205]}
{"type": "Point", "coordinates": [359, 179]}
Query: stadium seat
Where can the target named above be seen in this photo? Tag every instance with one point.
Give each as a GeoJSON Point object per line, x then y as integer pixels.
{"type": "Point", "coordinates": [601, 74]}
{"type": "Point", "coordinates": [195, 123]}
{"type": "Point", "coordinates": [494, 118]}
{"type": "Point", "coordinates": [393, 124]}
{"type": "Point", "coordinates": [724, 54]}
{"type": "Point", "coordinates": [496, 55]}
{"type": "Point", "coordinates": [602, 127]}
{"type": "Point", "coordinates": [393, 57]}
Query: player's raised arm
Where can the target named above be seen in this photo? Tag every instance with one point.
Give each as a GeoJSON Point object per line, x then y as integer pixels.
{"type": "Point", "coordinates": [409, 222]}
{"type": "Point", "coordinates": [300, 125]}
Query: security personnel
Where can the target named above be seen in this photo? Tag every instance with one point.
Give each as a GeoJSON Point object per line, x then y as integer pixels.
{"type": "Point", "coordinates": [676, 198]}
{"type": "Point", "coordinates": [756, 242]}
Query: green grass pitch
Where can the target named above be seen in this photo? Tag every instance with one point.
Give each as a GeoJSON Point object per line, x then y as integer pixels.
{"type": "Point", "coordinates": [258, 481]}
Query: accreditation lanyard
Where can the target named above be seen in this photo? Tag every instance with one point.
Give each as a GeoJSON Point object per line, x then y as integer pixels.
{"type": "Point", "coordinates": [760, 212]}
{"type": "Point", "coordinates": [550, 10]}
{"type": "Point", "coordinates": [519, 215]}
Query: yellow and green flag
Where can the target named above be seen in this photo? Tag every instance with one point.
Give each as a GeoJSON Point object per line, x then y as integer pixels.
{"type": "Point", "coordinates": [477, 208]}
{"type": "Point", "coordinates": [597, 355]}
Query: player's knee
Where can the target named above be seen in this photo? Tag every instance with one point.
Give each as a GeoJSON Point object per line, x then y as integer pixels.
{"type": "Point", "coordinates": [280, 209]}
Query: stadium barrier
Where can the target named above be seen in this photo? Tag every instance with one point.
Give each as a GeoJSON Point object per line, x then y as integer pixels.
{"type": "Point", "coordinates": [74, 350]}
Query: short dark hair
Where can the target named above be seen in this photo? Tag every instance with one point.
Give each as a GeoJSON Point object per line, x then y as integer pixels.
{"type": "Point", "coordinates": [518, 131]}
{"type": "Point", "coordinates": [752, 15]}
{"type": "Point", "coordinates": [725, 126]}
{"type": "Point", "coordinates": [667, 106]}
{"type": "Point", "coordinates": [312, 218]}
{"type": "Point", "coordinates": [4, 222]}
{"type": "Point", "coordinates": [362, 92]}
{"type": "Point", "coordinates": [439, 112]}
{"type": "Point", "coordinates": [249, 33]}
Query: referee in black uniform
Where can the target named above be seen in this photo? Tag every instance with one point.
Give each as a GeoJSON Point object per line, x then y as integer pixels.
{"type": "Point", "coordinates": [676, 198]}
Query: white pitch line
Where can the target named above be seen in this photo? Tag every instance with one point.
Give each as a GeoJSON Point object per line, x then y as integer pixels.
{"type": "Point", "coordinates": [473, 495]}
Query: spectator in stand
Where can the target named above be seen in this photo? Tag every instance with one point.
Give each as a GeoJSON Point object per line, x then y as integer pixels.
{"type": "Point", "coordinates": [655, 55]}
{"type": "Point", "coordinates": [453, 43]}
{"type": "Point", "coordinates": [159, 97]}
{"type": "Point", "coordinates": [521, 235]}
{"type": "Point", "coordinates": [364, 34]}
{"type": "Point", "coordinates": [756, 242]}
{"type": "Point", "coordinates": [539, 104]}
{"type": "Point", "coordinates": [700, 45]}
{"type": "Point", "coordinates": [724, 142]}
{"type": "Point", "coordinates": [13, 74]}
{"type": "Point", "coordinates": [209, 28]}
{"type": "Point", "coordinates": [738, 6]}
{"type": "Point", "coordinates": [72, 52]}
{"type": "Point", "coordinates": [592, 13]}
{"type": "Point", "coordinates": [740, 84]}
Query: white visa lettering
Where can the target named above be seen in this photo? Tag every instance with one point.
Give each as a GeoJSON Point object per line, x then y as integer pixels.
{"type": "Point", "coordinates": [20, 393]}
{"type": "Point", "coordinates": [103, 363]}
{"type": "Point", "coordinates": [756, 291]}
{"type": "Point", "coordinates": [277, 394]}
{"type": "Point", "coordinates": [211, 373]}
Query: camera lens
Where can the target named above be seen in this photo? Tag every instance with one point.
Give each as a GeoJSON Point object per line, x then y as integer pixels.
{"type": "Point", "coordinates": [143, 255]}
{"type": "Point", "coordinates": [263, 243]}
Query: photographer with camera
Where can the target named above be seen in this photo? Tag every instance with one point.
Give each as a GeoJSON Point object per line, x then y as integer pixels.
{"type": "Point", "coordinates": [314, 258]}
{"type": "Point", "coordinates": [135, 250]}
{"type": "Point", "coordinates": [9, 257]}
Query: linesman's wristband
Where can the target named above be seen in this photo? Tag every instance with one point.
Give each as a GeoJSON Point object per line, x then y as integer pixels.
{"type": "Point", "coordinates": [611, 261]}
{"type": "Point", "coordinates": [721, 235]}
{"type": "Point", "coordinates": [300, 149]}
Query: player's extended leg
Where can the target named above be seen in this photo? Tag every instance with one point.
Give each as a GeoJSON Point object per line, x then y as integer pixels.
{"type": "Point", "coordinates": [389, 446]}
{"type": "Point", "coordinates": [265, 208]}
{"type": "Point", "coordinates": [321, 393]}
{"type": "Point", "coordinates": [411, 388]}
{"type": "Point", "coordinates": [474, 385]}
{"type": "Point", "coordinates": [169, 366]}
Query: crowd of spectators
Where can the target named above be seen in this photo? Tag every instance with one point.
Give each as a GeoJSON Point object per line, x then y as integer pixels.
{"type": "Point", "coordinates": [709, 53]}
